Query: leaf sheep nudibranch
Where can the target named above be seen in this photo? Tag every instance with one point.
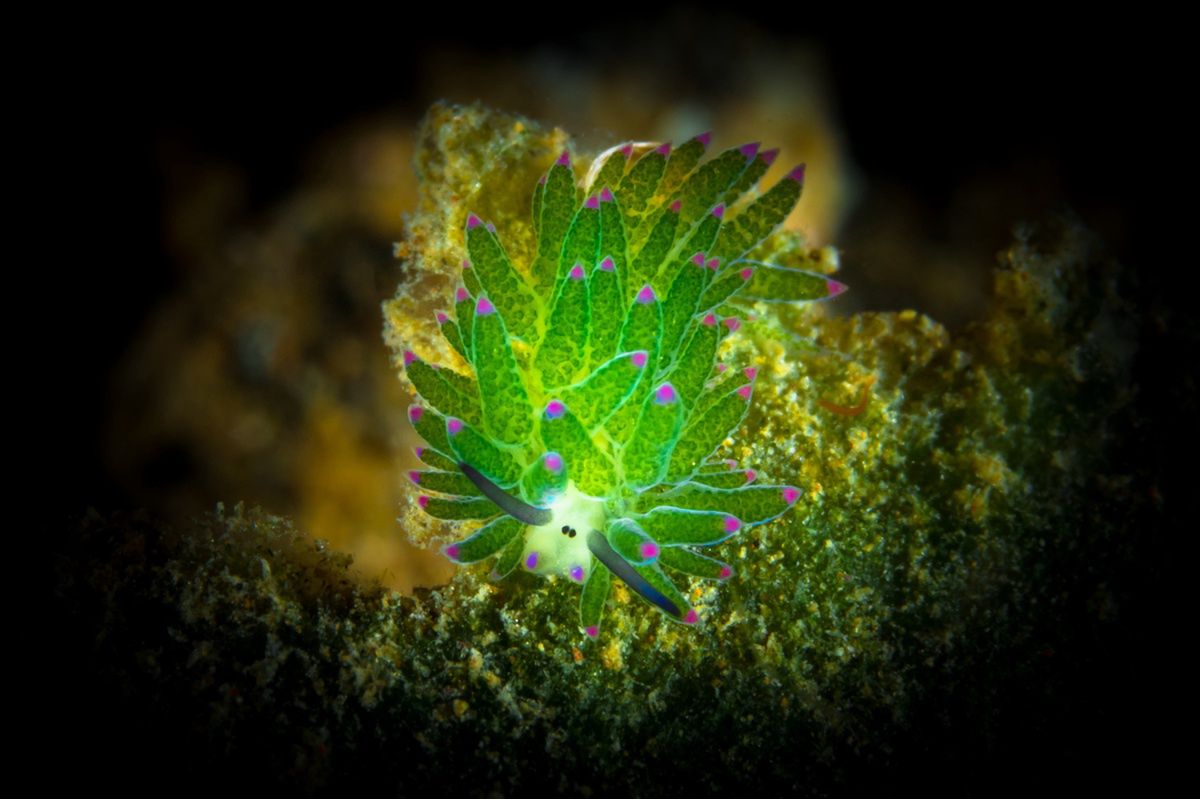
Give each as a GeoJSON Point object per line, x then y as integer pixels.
{"type": "Point", "coordinates": [584, 440]}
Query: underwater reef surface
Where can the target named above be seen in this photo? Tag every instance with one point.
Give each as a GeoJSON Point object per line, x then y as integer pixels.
{"type": "Point", "coordinates": [949, 606]}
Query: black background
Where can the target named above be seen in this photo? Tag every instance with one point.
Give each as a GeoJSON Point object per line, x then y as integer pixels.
{"type": "Point", "coordinates": [927, 104]}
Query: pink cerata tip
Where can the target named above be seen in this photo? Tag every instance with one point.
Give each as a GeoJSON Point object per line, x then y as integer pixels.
{"type": "Point", "coordinates": [415, 477]}
{"type": "Point", "coordinates": [719, 211]}
{"type": "Point", "coordinates": [709, 319]}
{"type": "Point", "coordinates": [746, 273]}
{"type": "Point", "coordinates": [665, 394]}
{"type": "Point", "coordinates": [608, 265]}
{"type": "Point", "coordinates": [409, 357]}
{"type": "Point", "coordinates": [576, 272]}
{"type": "Point", "coordinates": [692, 617]}
{"type": "Point", "coordinates": [627, 150]}
{"type": "Point", "coordinates": [732, 524]}
{"type": "Point", "coordinates": [705, 137]}
{"type": "Point", "coordinates": [451, 551]}
{"type": "Point", "coordinates": [542, 180]}
{"type": "Point", "coordinates": [733, 323]}
{"type": "Point", "coordinates": [422, 500]}
{"type": "Point", "coordinates": [606, 196]}
{"type": "Point", "coordinates": [750, 372]}
{"type": "Point", "coordinates": [639, 358]}
{"type": "Point", "coordinates": [646, 295]}
{"type": "Point", "coordinates": [419, 450]}
{"type": "Point", "coordinates": [790, 495]}
{"type": "Point", "coordinates": [675, 206]}
{"type": "Point", "coordinates": [751, 475]}
{"type": "Point", "coordinates": [531, 561]}
{"type": "Point", "coordinates": [834, 287]}
{"type": "Point", "coordinates": [462, 295]}
{"type": "Point", "coordinates": [663, 149]}
{"type": "Point", "coordinates": [768, 156]}
{"type": "Point", "coordinates": [592, 631]}
{"type": "Point", "coordinates": [649, 550]}
{"type": "Point", "coordinates": [454, 426]}
{"type": "Point", "coordinates": [698, 259]}
{"type": "Point", "coordinates": [726, 573]}
{"type": "Point", "coordinates": [553, 462]}
{"type": "Point", "coordinates": [564, 159]}
{"type": "Point", "coordinates": [473, 222]}
{"type": "Point", "coordinates": [577, 574]}
{"type": "Point", "coordinates": [484, 307]}
{"type": "Point", "coordinates": [441, 318]}
{"type": "Point", "coordinates": [749, 150]}
{"type": "Point", "coordinates": [592, 203]}
{"type": "Point", "coordinates": [797, 174]}
{"type": "Point", "coordinates": [466, 264]}
{"type": "Point", "coordinates": [713, 263]}
{"type": "Point", "coordinates": [744, 392]}
{"type": "Point", "coordinates": [555, 409]}
{"type": "Point", "coordinates": [721, 367]}
{"type": "Point", "coordinates": [415, 413]}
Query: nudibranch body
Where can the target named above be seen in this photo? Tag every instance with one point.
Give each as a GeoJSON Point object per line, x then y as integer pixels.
{"type": "Point", "coordinates": [584, 439]}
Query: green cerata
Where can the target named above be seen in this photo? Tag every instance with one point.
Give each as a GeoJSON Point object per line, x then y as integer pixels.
{"type": "Point", "coordinates": [585, 439]}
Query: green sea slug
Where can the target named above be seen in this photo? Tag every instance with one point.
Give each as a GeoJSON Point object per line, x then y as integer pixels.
{"type": "Point", "coordinates": [584, 440]}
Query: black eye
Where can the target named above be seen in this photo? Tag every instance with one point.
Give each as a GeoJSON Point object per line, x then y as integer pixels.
{"type": "Point", "coordinates": [572, 533]}
{"type": "Point", "coordinates": [566, 528]}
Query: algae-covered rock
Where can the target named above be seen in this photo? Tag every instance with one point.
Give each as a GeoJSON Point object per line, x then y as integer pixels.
{"type": "Point", "coordinates": [929, 609]}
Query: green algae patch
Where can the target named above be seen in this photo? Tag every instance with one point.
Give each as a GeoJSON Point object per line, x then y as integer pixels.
{"type": "Point", "coordinates": [961, 513]}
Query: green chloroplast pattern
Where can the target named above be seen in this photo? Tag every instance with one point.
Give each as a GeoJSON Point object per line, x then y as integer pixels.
{"type": "Point", "coordinates": [584, 438]}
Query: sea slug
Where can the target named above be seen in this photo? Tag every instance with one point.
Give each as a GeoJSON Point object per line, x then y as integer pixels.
{"type": "Point", "coordinates": [584, 439]}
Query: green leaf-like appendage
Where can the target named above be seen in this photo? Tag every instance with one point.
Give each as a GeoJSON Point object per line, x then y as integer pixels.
{"type": "Point", "coordinates": [592, 469]}
{"type": "Point", "coordinates": [471, 446]}
{"type": "Point", "coordinates": [639, 184]}
{"type": "Point", "coordinates": [561, 354]}
{"type": "Point", "coordinates": [645, 458]}
{"type": "Point", "coordinates": [459, 509]}
{"type": "Point", "coordinates": [507, 414]}
{"type": "Point", "coordinates": [431, 457]}
{"type": "Point", "coordinates": [448, 392]}
{"type": "Point", "coordinates": [506, 287]}
{"type": "Point", "coordinates": [594, 396]}
{"type": "Point", "coordinates": [487, 541]}
{"type": "Point", "coordinates": [445, 482]}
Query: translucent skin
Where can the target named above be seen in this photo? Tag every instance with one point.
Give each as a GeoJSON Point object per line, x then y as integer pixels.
{"type": "Point", "coordinates": [559, 554]}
